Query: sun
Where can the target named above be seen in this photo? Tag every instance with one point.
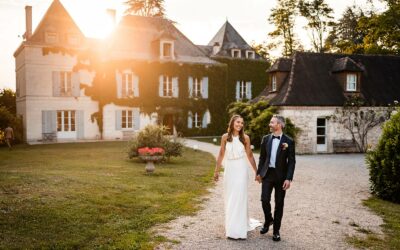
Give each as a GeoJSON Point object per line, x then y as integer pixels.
{"type": "Point", "coordinates": [94, 22]}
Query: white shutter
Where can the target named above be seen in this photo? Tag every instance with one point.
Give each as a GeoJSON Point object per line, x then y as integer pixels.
{"type": "Point", "coordinates": [190, 86]}
{"type": "Point", "coordinates": [118, 119]}
{"type": "Point", "coordinates": [237, 90]}
{"type": "Point", "coordinates": [76, 90]}
{"type": "Point", "coordinates": [81, 124]}
{"type": "Point", "coordinates": [135, 86]}
{"type": "Point", "coordinates": [190, 119]}
{"type": "Point", "coordinates": [160, 86]}
{"type": "Point", "coordinates": [175, 87]}
{"type": "Point", "coordinates": [204, 120]}
{"type": "Point", "coordinates": [248, 90]}
{"type": "Point", "coordinates": [56, 83]}
{"type": "Point", "coordinates": [204, 87]}
{"type": "Point", "coordinates": [118, 76]}
{"type": "Point", "coordinates": [136, 118]}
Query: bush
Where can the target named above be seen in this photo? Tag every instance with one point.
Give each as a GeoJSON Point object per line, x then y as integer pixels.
{"type": "Point", "coordinates": [155, 136]}
{"type": "Point", "coordinates": [256, 117]}
{"type": "Point", "coordinates": [384, 162]}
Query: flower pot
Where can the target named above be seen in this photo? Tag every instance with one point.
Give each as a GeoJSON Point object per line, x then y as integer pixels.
{"type": "Point", "coordinates": [150, 159]}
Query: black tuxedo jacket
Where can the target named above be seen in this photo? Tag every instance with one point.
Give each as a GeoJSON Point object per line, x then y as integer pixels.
{"type": "Point", "coordinates": [285, 158]}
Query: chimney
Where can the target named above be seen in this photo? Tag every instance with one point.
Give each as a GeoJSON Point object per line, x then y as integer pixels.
{"type": "Point", "coordinates": [28, 22]}
{"type": "Point", "coordinates": [112, 14]}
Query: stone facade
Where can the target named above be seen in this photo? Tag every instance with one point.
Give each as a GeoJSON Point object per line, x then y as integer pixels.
{"type": "Point", "coordinates": [305, 118]}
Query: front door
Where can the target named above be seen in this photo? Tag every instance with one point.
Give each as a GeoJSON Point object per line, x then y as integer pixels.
{"type": "Point", "coordinates": [66, 124]}
{"type": "Point", "coordinates": [321, 135]}
{"type": "Point", "coordinates": [168, 121]}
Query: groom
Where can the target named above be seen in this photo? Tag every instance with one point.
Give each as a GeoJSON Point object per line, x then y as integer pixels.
{"type": "Point", "coordinates": [275, 171]}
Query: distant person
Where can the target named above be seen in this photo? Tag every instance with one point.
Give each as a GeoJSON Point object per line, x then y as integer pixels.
{"type": "Point", "coordinates": [9, 135]}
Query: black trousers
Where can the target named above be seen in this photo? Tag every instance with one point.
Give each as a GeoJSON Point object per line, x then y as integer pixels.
{"type": "Point", "coordinates": [271, 181]}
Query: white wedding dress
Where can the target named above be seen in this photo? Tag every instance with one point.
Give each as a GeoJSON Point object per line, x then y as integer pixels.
{"type": "Point", "coordinates": [236, 176]}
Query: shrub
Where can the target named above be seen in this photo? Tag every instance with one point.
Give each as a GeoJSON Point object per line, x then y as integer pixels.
{"type": "Point", "coordinates": [384, 162]}
{"type": "Point", "coordinates": [9, 119]}
{"type": "Point", "coordinates": [256, 117]}
{"type": "Point", "coordinates": [153, 136]}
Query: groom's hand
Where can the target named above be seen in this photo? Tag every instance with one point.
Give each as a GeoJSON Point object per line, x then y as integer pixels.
{"type": "Point", "coordinates": [286, 185]}
{"type": "Point", "coordinates": [258, 178]}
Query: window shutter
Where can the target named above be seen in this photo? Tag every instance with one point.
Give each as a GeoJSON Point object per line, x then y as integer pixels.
{"type": "Point", "coordinates": [248, 90]}
{"type": "Point", "coordinates": [204, 120]}
{"type": "Point", "coordinates": [49, 121]}
{"type": "Point", "coordinates": [160, 86]}
{"type": "Point", "coordinates": [175, 87]}
{"type": "Point", "coordinates": [45, 114]}
{"type": "Point", "coordinates": [76, 90]}
{"type": "Point", "coordinates": [204, 87]}
{"type": "Point", "coordinates": [56, 83]}
{"type": "Point", "coordinates": [118, 117]}
{"type": "Point", "coordinates": [118, 76]}
{"type": "Point", "coordinates": [190, 119]}
{"type": "Point", "coordinates": [190, 86]}
{"type": "Point", "coordinates": [208, 116]}
{"type": "Point", "coordinates": [237, 90]}
{"type": "Point", "coordinates": [81, 125]}
{"type": "Point", "coordinates": [135, 86]}
{"type": "Point", "coordinates": [53, 121]}
{"type": "Point", "coordinates": [136, 118]}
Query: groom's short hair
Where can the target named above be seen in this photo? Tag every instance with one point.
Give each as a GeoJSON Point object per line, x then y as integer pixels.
{"type": "Point", "coordinates": [281, 120]}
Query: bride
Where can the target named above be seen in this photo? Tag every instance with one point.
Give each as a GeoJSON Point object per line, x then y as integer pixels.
{"type": "Point", "coordinates": [235, 146]}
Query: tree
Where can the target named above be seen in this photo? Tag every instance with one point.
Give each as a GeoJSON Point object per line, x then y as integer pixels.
{"type": "Point", "coordinates": [148, 8]}
{"type": "Point", "coordinates": [7, 118]}
{"type": "Point", "coordinates": [359, 119]}
{"type": "Point", "coordinates": [318, 15]}
{"type": "Point", "coordinates": [8, 100]}
{"type": "Point", "coordinates": [262, 49]}
{"type": "Point", "coordinates": [384, 162]}
{"type": "Point", "coordinates": [346, 36]}
{"type": "Point", "coordinates": [283, 17]}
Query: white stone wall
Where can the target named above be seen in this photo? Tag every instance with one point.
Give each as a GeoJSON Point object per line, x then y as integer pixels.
{"type": "Point", "coordinates": [306, 119]}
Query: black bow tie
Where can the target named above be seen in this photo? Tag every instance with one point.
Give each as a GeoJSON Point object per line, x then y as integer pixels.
{"type": "Point", "coordinates": [276, 137]}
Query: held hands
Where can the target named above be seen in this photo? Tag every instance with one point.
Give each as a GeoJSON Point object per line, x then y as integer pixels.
{"type": "Point", "coordinates": [216, 176]}
{"type": "Point", "coordinates": [258, 178]}
{"type": "Point", "coordinates": [286, 185]}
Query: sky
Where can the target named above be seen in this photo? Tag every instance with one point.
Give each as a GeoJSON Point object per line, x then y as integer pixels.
{"type": "Point", "coordinates": [199, 20]}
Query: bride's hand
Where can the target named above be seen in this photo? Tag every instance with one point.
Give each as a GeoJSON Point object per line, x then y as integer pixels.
{"type": "Point", "coordinates": [216, 175]}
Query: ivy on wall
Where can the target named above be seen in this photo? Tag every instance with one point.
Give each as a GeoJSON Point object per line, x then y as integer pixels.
{"type": "Point", "coordinates": [222, 86]}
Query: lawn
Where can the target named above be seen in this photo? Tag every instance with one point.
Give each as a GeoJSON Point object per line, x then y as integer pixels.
{"type": "Point", "coordinates": [390, 212]}
{"type": "Point", "coordinates": [90, 195]}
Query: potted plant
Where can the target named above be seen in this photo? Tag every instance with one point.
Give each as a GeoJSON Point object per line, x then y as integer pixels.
{"type": "Point", "coordinates": [150, 155]}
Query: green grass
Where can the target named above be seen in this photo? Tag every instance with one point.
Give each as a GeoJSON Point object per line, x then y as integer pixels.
{"type": "Point", "coordinates": [90, 195]}
{"type": "Point", "coordinates": [390, 212]}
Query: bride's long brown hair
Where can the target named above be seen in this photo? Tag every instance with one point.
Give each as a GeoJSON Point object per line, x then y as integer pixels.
{"type": "Point", "coordinates": [231, 129]}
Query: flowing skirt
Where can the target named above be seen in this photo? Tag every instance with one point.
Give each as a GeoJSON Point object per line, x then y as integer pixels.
{"type": "Point", "coordinates": [237, 221]}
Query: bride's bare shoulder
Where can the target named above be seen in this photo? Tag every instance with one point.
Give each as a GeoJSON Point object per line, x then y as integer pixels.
{"type": "Point", "coordinates": [224, 136]}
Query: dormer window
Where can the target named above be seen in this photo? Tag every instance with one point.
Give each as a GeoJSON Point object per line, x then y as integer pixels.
{"type": "Point", "coordinates": [236, 53]}
{"type": "Point", "coordinates": [273, 82]}
{"type": "Point", "coordinates": [51, 37]}
{"type": "Point", "coordinates": [250, 54]}
{"type": "Point", "coordinates": [351, 83]}
{"type": "Point", "coordinates": [167, 50]}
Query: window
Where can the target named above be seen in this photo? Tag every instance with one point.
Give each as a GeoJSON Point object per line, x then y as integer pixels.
{"type": "Point", "coordinates": [167, 50]}
{"type": "Point", "coordinates": [196, 87]}
{"type": "Point", "coordinates": [127, 85]}
{"type": "Point", "coordinates": [65, 83]}
{"type": "Point", "coordinates": [73, 39]}
{"type": "Point", "coordinates": [196, 120]}
{"type": "Point", "coordinates": [236, 53]}
{"type": "Point", "coordinates": [51, 37]}
{"type": "Point", "coordinates": [242, 90]}
{"type": "Point", "coordinates": [167, 86]}
{"type": "Point", "coordinates": [273, 80]}
{"type": "Point", "coordinates": [66, 121]}
{"type": "Point", "coordinates": [127, 119]}
{"type": "Point", "coordinates": [250, 54]}
{"type": "Point", "coordinates": [351, 84]}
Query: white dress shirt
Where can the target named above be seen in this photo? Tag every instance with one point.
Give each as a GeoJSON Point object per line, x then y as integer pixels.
{"type": "Point", "coordinates": [274, 150]}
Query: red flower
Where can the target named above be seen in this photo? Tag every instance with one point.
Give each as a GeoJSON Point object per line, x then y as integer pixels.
{"type": "Point", "coordinates": [151, 151]}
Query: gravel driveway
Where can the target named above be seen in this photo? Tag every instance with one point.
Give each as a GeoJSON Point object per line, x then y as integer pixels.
{"type": "Point", "coordinates": [322, 206]}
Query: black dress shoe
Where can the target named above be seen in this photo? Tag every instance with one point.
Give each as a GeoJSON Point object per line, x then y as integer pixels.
{"type": "Point", "coordinates": [276, 237]}
{"type": "Point", "coordinates": [265, 228]}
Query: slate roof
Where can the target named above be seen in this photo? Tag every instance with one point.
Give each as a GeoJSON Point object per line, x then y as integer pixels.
{"type": "Point", "coordinates": [282, 65]}
{"type": "Point", "coordinates": [312, 80]}
{"type": "Point", "coordinates": [228, 38]}
{"type": "Point", "coordinates": [137, 37]}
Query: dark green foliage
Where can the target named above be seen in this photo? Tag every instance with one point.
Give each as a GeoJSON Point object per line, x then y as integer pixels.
{"type": "Point", "coordinates": [257, 117]}
{"type": "Point", "coordinates": [9, 119]}
{"type": "Point", "coordinates": [153, 136]}
{"type": "Point", "coordinates": [384, 162]}
{"type": "Point", "coordinates": [8, 100]}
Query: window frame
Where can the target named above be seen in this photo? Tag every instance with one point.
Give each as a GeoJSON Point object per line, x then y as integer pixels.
{"type": "Point", "coordinates": [66, 119]}
{"type": "Point", "coordinates": [238, 51]}
{"type": "Point", "coordinates": [65, 83]}
{"type": "Point", "coordinates": [348, 82]}
{"type": "Point", "coordinates": [273, 82]}
{"type": "Point", "coordinates": [253, 54]}
{"type": "Point", "coordinates": [167, 82]}
{"type": "Point", "coordinates": [48, 38]}
{"type": "Point", "coordinates": [197, 84]}
{"type": "Point", "coordinates": [127, 119]}
{"type": "Point", "coordinates": [196, 120]}
{"type": "Point", "coordinates": [171, 49]}
{"type": "Point", "coordinates": [127, 88]}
